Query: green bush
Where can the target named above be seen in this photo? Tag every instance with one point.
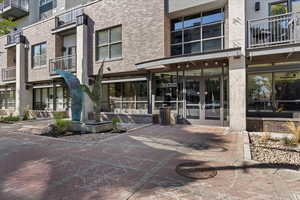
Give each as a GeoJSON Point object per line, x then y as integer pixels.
{"type": "Point", "coordinates": [11, 119]}
{"type": "Point", "coordinates": [60, 123]}
{"type": "Point", "coordinates": [115, 122]}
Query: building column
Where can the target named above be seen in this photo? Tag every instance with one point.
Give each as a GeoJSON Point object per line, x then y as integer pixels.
{"type": "Point", "coordinates": [23, 95]}
{"type": "Point", "coordinates": [237, 65]}
{"type": "Point", "coordinates": [82, 67]}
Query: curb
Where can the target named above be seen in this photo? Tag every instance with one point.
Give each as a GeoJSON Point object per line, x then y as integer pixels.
{"type": "Point", "coordinates": [247, 150]}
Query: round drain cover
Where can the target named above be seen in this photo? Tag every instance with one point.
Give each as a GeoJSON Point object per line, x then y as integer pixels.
{"type": "Point", "coordinates": [196, 170]}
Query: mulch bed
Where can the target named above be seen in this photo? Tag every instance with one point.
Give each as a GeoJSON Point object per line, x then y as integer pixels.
{"type": "Point", "coordinates": [273, 151]}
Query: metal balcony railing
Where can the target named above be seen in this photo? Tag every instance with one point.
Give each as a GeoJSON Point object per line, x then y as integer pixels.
{"type": "Point", "coordinates": [67, 18]}
{"type": "Point", "coordinates": [14, 8]}
{"type": "Point", "coordinates": [13, 38]}
{"type": "Point", "coordinates": [274, 30]}
{"type": "Point", "coordinates": [66, 63]}
{"type": "Point", "coordinates": [8, 74]}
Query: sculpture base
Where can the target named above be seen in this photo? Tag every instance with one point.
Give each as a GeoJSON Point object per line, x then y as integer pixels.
{"type": "Point", "coordinates": [91, 127]}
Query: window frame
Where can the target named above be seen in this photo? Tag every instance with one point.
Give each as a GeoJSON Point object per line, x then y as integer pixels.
{"type": "Point", "coordinates": [201, 40]}
{"type": "Point", "coordinates": [109, 43]}
{"type": "Point", "coordinates": [33, 66]}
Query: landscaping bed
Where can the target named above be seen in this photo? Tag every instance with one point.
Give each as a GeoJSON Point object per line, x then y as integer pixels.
{"type": "Point", "coordinates": [96, 137]}
{"type": "Point", "coordinates": [277, 151]}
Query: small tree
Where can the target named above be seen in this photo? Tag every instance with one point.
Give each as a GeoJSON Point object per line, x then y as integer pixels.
{"type": "Point", "coordinates": [6, 25]}
{"type": "Point", "coordinates": [95, 94]}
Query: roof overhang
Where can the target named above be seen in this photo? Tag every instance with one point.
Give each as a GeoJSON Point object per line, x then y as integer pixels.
{"type": "Point", "coordinates": [263, 51]}
{"type": "Point", "coordinates": [234, 52]}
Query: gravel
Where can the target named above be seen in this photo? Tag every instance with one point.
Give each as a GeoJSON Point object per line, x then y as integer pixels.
{"type": "Point", "coordinates": [273, 151]}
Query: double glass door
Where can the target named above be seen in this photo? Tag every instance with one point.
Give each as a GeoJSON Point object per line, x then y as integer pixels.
{"type": "Point", "coordinates": [203, 99]}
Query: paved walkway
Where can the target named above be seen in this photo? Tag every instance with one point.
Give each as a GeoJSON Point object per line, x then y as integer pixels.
{"type": "Point", "coordinates": [137, 166]}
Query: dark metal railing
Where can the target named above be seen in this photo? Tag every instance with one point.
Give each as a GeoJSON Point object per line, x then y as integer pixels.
{"type": "Point", "coordinates": [14, 37]}
{"type": "Point", "coordinates": [273, 30]}
{"type": "Point", "coordinates": [66, 63]}
{"type": "Point", "coordinates": [8, 74]}
{"type": "Point", "coordinates": [67, 18]}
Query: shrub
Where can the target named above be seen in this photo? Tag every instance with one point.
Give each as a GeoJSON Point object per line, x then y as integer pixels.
{"type": "Point", "coordinates": [115, 122]}
{"type": "Point", "coordinates": [288, 141]}
{"type": "Point", "coordinates": [295, 130]}
{"type": "Point", "coordinates": [11, 118]}
{"type": "Point", "coordinates": [60, 123]}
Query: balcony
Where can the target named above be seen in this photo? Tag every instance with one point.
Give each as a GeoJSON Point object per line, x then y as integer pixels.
{"type": "Point", "coordinates": [69, 20]}
{"type": "Point", "coordinates": [14, 8]}
{"type": "Point", "coordinates": [66, 63]}
{"type": "Point", "coordinates": [14, 38]}
{"type": "Point", "coordinates": [188, 7]}
{"type": "Point", "coordinates": [274, 30]}
{"type": "Point", "coordinates": [8, 74]}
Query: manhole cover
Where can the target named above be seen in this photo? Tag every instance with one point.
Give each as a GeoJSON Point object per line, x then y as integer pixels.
{"type": "Point", "coordinates": [196, 170]}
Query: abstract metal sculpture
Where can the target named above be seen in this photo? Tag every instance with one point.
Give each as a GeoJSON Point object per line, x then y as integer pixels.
{"type": "Point", "coordinates": [76, 93]}
{"type": "Point", "coordinates": [95, 94]}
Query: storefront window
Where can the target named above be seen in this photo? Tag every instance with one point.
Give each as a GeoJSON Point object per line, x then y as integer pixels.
{"type": "Point", "coordinates": [287, 91]}
{"type": "Point", "coordinates": [44, 99]}
{"type": "Point", "coordinates": [277, 94]}
{"type": "Point", "coordinates": [127, 97]}
{"type": "Point", "coordinates": [168, 90]}
{"type": "Point", "coordinates": [7, 99]}
{"type": "Point", "coordinates": [260, 92]}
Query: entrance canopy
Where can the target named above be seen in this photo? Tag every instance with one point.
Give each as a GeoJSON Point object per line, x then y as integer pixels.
{"type": "Point", "coordinates": [207, 56]}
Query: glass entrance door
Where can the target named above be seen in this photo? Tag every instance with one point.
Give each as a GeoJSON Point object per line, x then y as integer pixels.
{"type": "Point", "coordinates": [203, 99]}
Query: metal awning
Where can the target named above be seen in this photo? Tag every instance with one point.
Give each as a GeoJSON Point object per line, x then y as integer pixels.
{"type": "Point", "coordinates": [234, 52]}
{"type": "Point", "coordinates": [125, 80]}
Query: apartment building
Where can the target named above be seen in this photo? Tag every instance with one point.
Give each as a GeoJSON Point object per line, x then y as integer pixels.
{"type": "Point", "coordinates": [213, 62]}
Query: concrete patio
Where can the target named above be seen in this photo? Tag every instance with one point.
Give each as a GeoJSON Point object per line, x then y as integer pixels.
{"type": "Point", "coordinates": [137, 166]}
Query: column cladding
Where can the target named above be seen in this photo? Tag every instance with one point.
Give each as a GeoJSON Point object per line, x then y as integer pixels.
{"type": "Point", "coordinates": [237, 65]}
{"type": "Point", "coordinates": [23, 94]}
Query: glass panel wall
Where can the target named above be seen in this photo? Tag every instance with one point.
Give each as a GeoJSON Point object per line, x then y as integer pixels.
{"type": "Point", "coordinates": [8, 99]}
{"type": "Point", "coordinates": [274, 94]}
{"type": "Point", "coordinates": [125, 97]}
{"type": "Point", "coordinates": [50, 99]}
{"type": "Point", "coordinates": [198, 33]}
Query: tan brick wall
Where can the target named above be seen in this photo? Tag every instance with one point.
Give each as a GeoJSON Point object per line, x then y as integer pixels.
{"type": "Point", "coordinates": [35, 35]}
{"type": "Point", "coordinates": [143, 24]}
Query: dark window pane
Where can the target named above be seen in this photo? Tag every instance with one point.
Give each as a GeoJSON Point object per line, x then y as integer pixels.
{"type": "Point", "coordinates": [102, 52]}
{"type": "Point", "coordinates": [192, 21]}
{"type": "Point", "coordinates": [103, 37]}
{"type": "Point", "coordinates": [176, 50]}
{"type": "Point", "coordinates": [176, 24]}
{"type": "Point", "coordinates": [287, 91]}
{"type": "Point", "coordinates": [213, 16]}
{"type": "Point", "coordinates": [116, 34]}
{"type": "Point", "coordinates": [210, 45]}
{"type": "Point", "coordinates": [212, 31]}
{"type": "Point", "coordinates": [176, 37]}
{"type": "Point", "coordinates": [116, 50]}
{"type": "Point", "coordinates": [192, 48]}
{"type": "Point", "coordinates": [192, 34]}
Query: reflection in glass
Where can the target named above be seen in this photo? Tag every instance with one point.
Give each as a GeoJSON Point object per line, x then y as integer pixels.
{"type": "Point", "coordinates": [260, 92]}
{"type": "Point", "coordinates": [192, 21]}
